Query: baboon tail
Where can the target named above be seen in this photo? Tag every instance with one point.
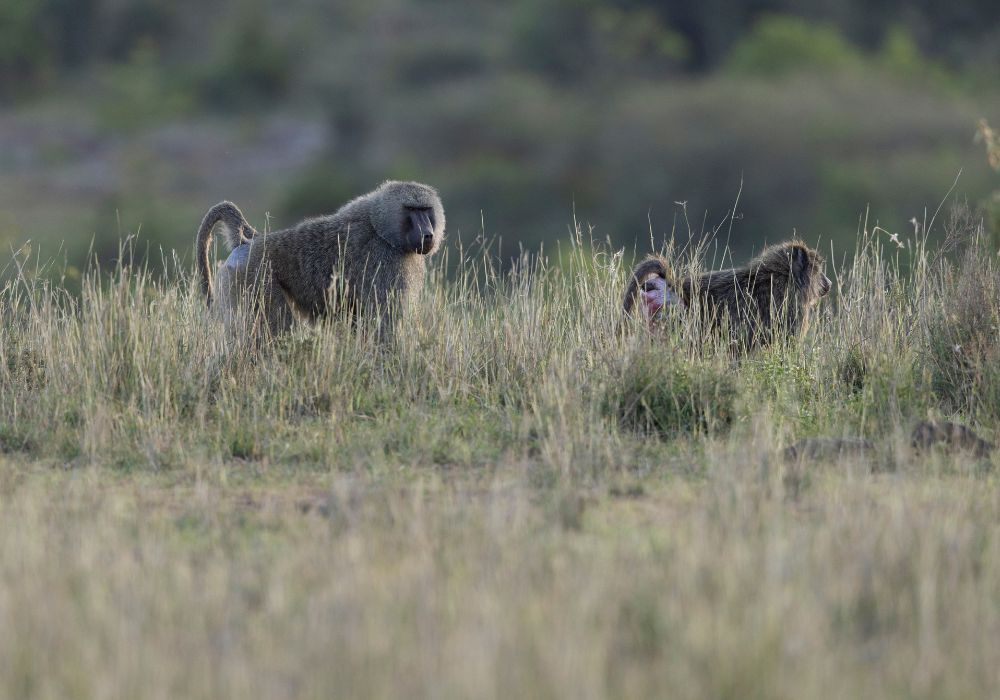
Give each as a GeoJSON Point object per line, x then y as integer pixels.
{"type": "Point", "coordinates": [653, 265]}
{"type": "Point", "coordinates": [238, 231]}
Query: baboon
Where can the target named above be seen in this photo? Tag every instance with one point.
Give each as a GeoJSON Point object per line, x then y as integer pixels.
{"type": "Point", "coordinates": [820, 449]}
{"type": "Point", "coordinates": [928, 433]}
{"type": "Point", "coordinates": [772, 295]}
{"type": "Point", "coordinates": [925, 435]}
{"type": "Point", "coordinates": [367, 258]}
{"type": "Point", "coordinates": [655, 288]}
{"type": "Point", "coordinates": [238, 234]}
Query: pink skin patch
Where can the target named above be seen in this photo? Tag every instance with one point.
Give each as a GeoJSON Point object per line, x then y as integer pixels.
{"type": "Point", "coordinates": [656, 294]}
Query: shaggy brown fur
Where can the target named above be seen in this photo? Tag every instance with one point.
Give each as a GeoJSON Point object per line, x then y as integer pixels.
{"type": "Point", "coordinates": [820, 449]}
{"type": "Point", "coordinates": [928, 433]}
{"type": "Point", "coordinates": [769, 297]}
{"type": "Point", "coordinates": [237, 232]}
{"type": "Point", "coordinates": [368, 258]}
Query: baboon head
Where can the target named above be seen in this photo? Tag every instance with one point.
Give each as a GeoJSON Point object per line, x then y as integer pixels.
{"type": "Point", "coordinates": [656, 294]}
{"type": "Point", "coordinates": [804, 267]}
{"type": "Point", "coordinates": [409, 216]}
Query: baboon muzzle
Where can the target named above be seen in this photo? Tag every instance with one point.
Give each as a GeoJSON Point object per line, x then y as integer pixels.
{"type": "Point", "coordinates": [421, 231]}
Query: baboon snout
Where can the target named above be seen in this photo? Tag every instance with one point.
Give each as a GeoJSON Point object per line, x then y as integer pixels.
{"type": "Point", "coordinates": [824, 285]}
{"type": "Point", "coordinates": [421, 231]}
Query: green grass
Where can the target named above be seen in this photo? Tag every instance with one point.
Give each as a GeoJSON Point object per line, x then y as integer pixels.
{"type": "Point", "coordinates": [513, 501]}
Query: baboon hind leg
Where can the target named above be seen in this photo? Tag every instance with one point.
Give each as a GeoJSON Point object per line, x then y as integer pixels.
{"type": "Point", "coordinates": [278, 313]}
{"type": "Point", "coordinates": [253, 307]}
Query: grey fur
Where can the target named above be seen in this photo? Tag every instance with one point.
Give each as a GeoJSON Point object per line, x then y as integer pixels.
{"type": "Point", "coordinates": [770, 296]}
{"type": "Point", "coordinates": [369, 257]}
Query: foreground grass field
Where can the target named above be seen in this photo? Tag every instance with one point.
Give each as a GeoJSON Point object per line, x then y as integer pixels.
{"type": "Point", "coordinates": [514, 501]}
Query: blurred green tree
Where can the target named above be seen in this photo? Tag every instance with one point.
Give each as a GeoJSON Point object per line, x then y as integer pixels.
{"type": "Point", "coordinates": [255, 65]}
{"type": "Point", "coordinates": [779, 44]}
{"type": "Point", "coordinates": [23, 58]}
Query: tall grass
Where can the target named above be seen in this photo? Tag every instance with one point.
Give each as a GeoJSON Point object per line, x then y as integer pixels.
{"type": "Point", "coordinates": [514, 499]}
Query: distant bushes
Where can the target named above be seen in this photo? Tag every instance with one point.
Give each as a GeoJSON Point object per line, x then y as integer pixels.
{"type": "Point", "coordinates": [40, 39]}
{"type": "Point", "coordinates": [254, 67]}
{"type": "Point", "coordinates": [43, 39]}
{"type": "Point", "coordinates": [23, 59]}
{"type": "Point", "coordinates": [575, 41]}
{"type": "Point", "coordinates": [138, 91]}
{"type": "Point", "coordinates": [779, 45]}
{"type": "Point", "coordinates": [570, 41]}
{"type": "Point", "coordinates": [322, 188]}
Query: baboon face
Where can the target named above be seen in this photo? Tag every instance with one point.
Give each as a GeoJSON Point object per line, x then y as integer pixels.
{"type": "Point", "coordinates": [411, 215]}
{"type": "Point", "coordinates": [418, 229]}
{"type": "Point", "coordinates": [807, 271]}
{"type": "Point", "coordinates": [656, 294]}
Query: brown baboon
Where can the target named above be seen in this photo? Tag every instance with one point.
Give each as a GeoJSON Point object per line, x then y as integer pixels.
{"type": "Point", "coordinates": [773, 292]}
{"type": "Point", "coordinates": [952, 436]}
{"type": "Point", "coordinates": [653, 285]}
{"type": "Point", "coordinates": [819, 449]}
{"type": "Point", "coordinates": [368, 258]}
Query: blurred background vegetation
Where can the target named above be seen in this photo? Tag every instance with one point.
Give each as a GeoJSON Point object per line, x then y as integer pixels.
{"type": "Point", "coordinates": [634, 118]}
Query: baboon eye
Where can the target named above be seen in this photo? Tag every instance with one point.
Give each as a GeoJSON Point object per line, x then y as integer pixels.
{"type": "Point", "coordinates": [429, 211]}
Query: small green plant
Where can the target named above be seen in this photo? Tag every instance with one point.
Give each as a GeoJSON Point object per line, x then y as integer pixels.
{"type": "Point", "coordinates": [244, 443]}
{"type": "Point", "coordinates": [852, 369]}
{"type": "Point", "coordinates": [963, 335]}
{"type": "Point", "coordinates": [662, 393]}
{"type": "Point", "coordinates": [14, 440]}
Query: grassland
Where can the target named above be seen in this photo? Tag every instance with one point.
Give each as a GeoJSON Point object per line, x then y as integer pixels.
{"type": "Point", "coordinates": [513, 501]}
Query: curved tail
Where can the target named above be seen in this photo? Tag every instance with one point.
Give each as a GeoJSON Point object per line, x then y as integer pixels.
{"type": "Point", "coordinates": [653, 265]}
{"type": "Point", "coordinates": [237, 232]}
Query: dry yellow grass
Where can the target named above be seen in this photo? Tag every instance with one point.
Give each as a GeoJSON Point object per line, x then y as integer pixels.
{"type": "Point", "coordinates": [466, 515]}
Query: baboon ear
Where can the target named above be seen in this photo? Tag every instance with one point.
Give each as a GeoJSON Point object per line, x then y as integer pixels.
{"type": "Point", "coordinates": [800, 266]}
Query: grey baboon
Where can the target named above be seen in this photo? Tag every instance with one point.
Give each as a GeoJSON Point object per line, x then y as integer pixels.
{"type": "Point", "coordinates": [237, 232]}
{"type": "Point", "coordinates": [367, 258]}
{"type": "Point", "coordinates": [771, 295]}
